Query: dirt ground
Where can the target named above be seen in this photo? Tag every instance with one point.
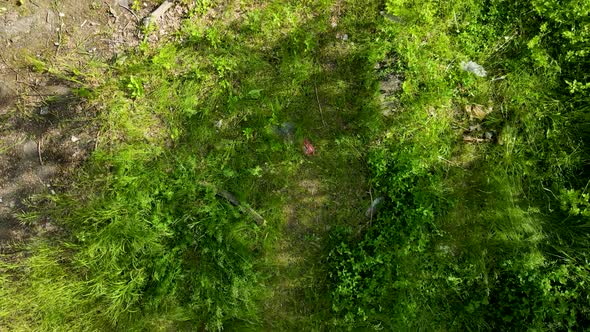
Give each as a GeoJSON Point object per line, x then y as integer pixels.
{"type": "Point", "coordinates": [46, 131]}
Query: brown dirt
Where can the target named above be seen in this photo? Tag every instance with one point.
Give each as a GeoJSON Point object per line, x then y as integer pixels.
{"type": "Point", "coordinates": [46, 131]}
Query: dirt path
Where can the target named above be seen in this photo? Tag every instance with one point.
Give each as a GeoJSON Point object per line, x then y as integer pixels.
{"type": "Point", "coordinates": [329, 189]}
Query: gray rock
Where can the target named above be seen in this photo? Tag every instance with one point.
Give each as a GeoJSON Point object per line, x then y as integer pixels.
{"type": "Point", "coordinates": [474, 68]}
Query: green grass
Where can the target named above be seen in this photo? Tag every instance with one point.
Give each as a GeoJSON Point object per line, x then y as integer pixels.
{"type": "Point", "coordinates": [474, 233]}
{"type": "Point", "coordinates": [148, 244]}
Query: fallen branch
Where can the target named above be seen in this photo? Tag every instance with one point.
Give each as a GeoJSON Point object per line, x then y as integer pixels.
{"type": "Point", "coordinates": [244, 207]}
{"type": "Point", "coordinates": [158, 13]}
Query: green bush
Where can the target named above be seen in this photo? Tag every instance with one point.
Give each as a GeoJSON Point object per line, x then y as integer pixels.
{"type": "Point", "coordinates": [472, 235]}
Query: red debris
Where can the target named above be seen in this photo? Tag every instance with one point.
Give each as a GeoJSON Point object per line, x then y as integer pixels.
{"type": "Point", "coordinates": [308, 148]}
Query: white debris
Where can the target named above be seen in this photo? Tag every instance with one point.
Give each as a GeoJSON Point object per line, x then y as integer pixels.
{"type": "Point", "coordinates": [74, 139]}
{"type": "Point", "coordinates": [372, 210]}
{"type": "Point", "coordinates": [61, 14]}
{"type": "Point", "coordinates": [473, 67]}
{"type": "Point", "coordinates": [44, 110]}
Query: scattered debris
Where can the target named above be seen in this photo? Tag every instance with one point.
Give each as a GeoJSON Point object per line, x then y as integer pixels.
{"type": "Point", "coordinates": [477, 112]}
{"type": "Point", "coordinates": [474, 68]}
{"type": "Point", "coordinates": [308, 147]}
{"type": "Point", "coordinates": [372, 210]}
{"type": "Point", "coordinates": [74, 139]}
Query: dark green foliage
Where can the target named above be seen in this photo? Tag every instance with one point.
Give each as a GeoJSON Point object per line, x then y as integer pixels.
{"type": "Point", "coordinates": [473, 236]}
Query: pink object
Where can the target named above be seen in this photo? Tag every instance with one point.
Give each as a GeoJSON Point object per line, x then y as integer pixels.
{"type": "Point", "coordinates": [308, 148]}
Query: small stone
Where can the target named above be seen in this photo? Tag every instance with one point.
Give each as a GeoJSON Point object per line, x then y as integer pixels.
{"type": "Point", "coordinates": [474, 68]}
{"type": "Point", "coordinates": [30, 150]}
{"type": "Point", "coordinates": [1, 200]}
{"type": "Point", "coordinates": [74, 139]}
{"type": "Point", "coordinates": [62, 15]}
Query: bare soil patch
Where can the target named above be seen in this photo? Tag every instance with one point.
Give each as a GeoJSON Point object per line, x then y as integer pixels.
{"type": "Point", "coordinates": [46, 130]}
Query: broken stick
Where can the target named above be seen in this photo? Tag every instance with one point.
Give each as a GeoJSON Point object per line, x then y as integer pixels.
{"type": "Point", "coordinates": [244, 207]}
{"type": "Point", "coordinates": [158, 13]}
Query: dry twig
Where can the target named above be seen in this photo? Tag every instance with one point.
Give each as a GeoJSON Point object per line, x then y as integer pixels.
{"type": "Point", "coordinates": [319, 105]}
{"type": "Point", "coordinates": [39, 150]}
